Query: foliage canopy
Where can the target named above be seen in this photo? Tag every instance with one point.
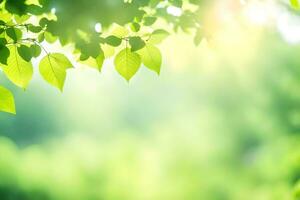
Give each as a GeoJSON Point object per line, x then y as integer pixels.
{"type": "Point", "coordinates": [128, 30]}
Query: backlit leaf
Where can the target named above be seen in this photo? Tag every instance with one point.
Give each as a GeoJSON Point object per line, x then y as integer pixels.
{"type": "Point", "coordinates": [158, 36]}
{"type": "Point", "coordinates": [53, 69]}
{"type": "Point", "coordinates": [127, 63]}
{"type": "Point", "coordinates": [96, 63]}
{"type": "Point", "coordinates": [151, 57]}
{"type": "Point", "coordinates": [18, 70]}
{"type": "Point", "coordinates": [135, 27]}
{"type": "Point", "coordinates": [7, 103]}
{"type": "Point", "coordinates": [49, 37]}
{"type": "Point", "coordinates": [119, 31]}
{"type": "Point", "coordinates": [108, 50]}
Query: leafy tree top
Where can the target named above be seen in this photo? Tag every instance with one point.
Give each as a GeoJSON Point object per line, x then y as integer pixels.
{"type": "Point", "coordinates": [128, 30]}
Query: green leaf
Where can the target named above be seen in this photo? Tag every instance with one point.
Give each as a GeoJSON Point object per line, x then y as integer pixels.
{"type": "Point", "coordinates": [91, 49]}
{"type": "Point", "coordinates": [53, 69]}
{"type": "Point", "coordinates": [198, 37]}
{"type": "Point", "coordinates": [119, 31]}
{"type": "Point", "coordinates": [96, 63]}
{"type": "Point", "coordinates": [21, 19]}
{"type": "Point", "coordinates": [127, 63]}
{"type": "Point", "coordinates": [49, 37]}
{"type": "Point", "coordinates": [34, 29]}
{"type": "Point", "coordinates": [5, 17]}
{"type": "Point", "coordinates": [35, 50]}
{"type": "Point", "coordinates": [154, 3]}
{"type": "Point", "coordinates": [41, 37]}
{"type": "Point", "coordinates": [3, 41]}
{"type": "Point", "coordinates": [113, 40]}
{"type": "Point", "coordinates": [43, 22]}
{"type": "Point", "coordinates": [83, 57]}
{"type": "Point", "coordinates": [18, 70]}
{"type": "Point", "coordinates": [135, 27]}
{"type": "Point", "coordinates": [25, 52]}
{"type": "Point", "coordinates": [148, 21]}
{"type": "Point", "coordinates": [158, 36]}
{"type": "Point", "coordinates": [151, 57]}
{"type": "Point", "coordinates": [108, 50]}
{"type": "Point", "coordinates": [34, 9]}
{"type": "Point", "coordinates": [177, 3]}
{"type": "Point", "coordinates": [139, 15]}
{"type": "Point", "coordinates": [4, 52]}
{"type": "Point", "coordinates": [136, 43]}
{"type": "Point", "coordinates": [7, 102]}
{"type": "Point", "coordinates": [14, 33]}
{"type": "Point", "coordinates": [100, 60]}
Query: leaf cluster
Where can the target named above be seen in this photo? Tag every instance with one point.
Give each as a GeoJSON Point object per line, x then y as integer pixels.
{"type": "Point", "coordinates": [131, 32]}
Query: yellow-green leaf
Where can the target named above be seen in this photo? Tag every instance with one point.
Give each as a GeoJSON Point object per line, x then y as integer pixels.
{"type": "Point", "coordinates": [7, 103]}
{"type": "Point", "coordinates": [151, 57]}
{"type": "Point", "coordinates": [158, 36]}
{"type": "Point", "coordinates": [127, 63]}
{"type": "Point", "coordinates": [17, 69]}
{"type": "Point", "coordinates": [53, 69]}
{"type": "Point", "coordinates": [95, 63]}
{"type": "Point", "coordinates": [49, 37]}
{"type": "Point", "coordinates": [21, 19]}
{"type": "Point", "coordinates": [5, 16]}
{"type": "Point", "coordinates": [119, 31]}
{"type": "Point", "coordinates": [108, 50]}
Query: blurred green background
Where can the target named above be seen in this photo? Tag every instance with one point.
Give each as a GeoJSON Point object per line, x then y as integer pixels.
{"type": "Point", "coordinates": [222, 121]}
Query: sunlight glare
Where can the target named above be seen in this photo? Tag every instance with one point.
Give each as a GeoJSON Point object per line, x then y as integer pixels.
{"type": "Point", "coordinates": [53, 10]}
{"type": "Point", "coordinates": [175, 11]}
{"type": "Point", "coordinates": [289, 27]}
{"type": "Point", "coordinates": [98, 27]}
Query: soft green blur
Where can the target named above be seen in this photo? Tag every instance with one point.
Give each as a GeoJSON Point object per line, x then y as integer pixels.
{"type": "Point", "coordinates": [222, 121]}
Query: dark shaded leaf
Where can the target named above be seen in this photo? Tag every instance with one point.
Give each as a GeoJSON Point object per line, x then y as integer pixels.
{"type": "Point", "coordinates": [14, 33]}
{"type": "Point", "coordinates": [35, 50]}
{"type": "Point", "coordinates": [4, 52]}
{"type": "Point", "coordinates": [34, 29]}
{"type": "Point", "coordinates": [136, 43]}
{"type": "Point", "coordinates": [113, 40]}
{"type": "Point", "coordinates": [25, 52]}
{"type": "Point", "coordinates": [3, 41]}
{"type": "Point", "coordinates": [34, 9]}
